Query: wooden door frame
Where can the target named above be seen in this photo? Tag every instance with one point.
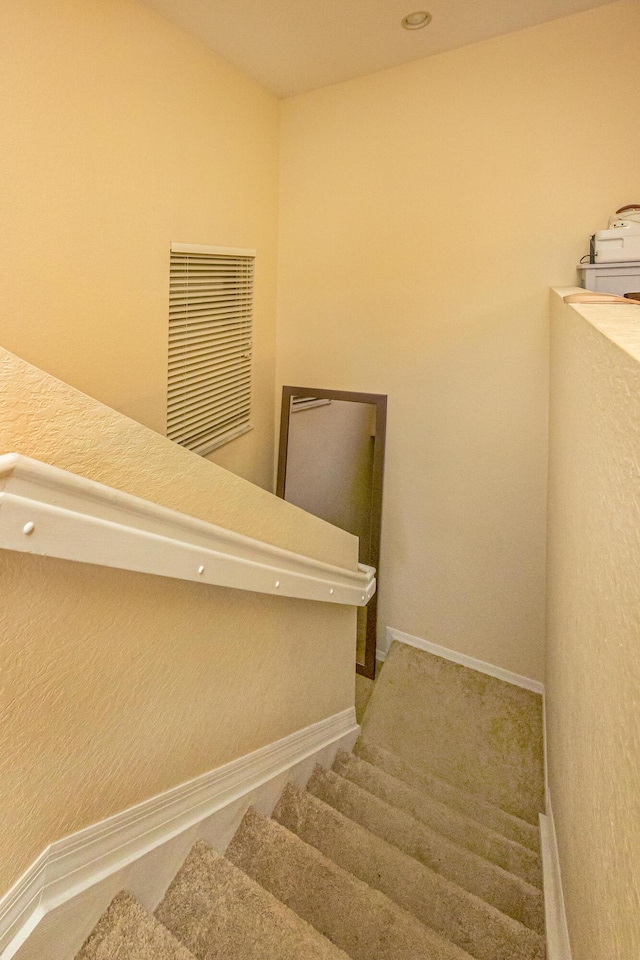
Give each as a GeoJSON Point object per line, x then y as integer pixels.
{"type": "Point", "coordinates": [379, 400]}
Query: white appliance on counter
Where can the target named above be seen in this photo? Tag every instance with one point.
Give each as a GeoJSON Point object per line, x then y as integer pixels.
{"type": "Point", "coordinates": [617, 244]}
{"type": "Point", "coordinates": [621, 242]}
{"type": "Point", "coordinates": [618, 278]}
{"type": "Point", "coordinates": [614, 265]}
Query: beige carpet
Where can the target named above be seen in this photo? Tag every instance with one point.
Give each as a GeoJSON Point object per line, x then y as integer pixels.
{"type": "Point", "coordinates": [504, 890]}
{"type": "Point", "coordinates": [217, 911]}
{"type": "Point", "coordinates": [127, 932]}
{"type": "Point", "coordinates": [475, 732]}
{"type": "Point", "coordinates": [457, 915]}
{"type": "Point", "coordinates": [422, 844]}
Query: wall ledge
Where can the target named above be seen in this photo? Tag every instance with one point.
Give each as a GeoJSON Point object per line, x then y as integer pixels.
{"type": "Point", "coordinates": [617, 320]}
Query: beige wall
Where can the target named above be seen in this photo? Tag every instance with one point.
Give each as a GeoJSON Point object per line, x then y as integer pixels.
{"type": "Point", "coordinates": [121, 134]}
{"type": "Point", "coordinates": [425, 210]}
{"type": "Point", "coordinates": [117, 685]}
{"type": "Point", "coordinates": [593, 662]}
{"type": "Point", "coordinates": [61, 426]}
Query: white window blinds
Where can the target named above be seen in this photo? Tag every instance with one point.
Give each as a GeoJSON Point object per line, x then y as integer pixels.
{"type": "Point", "coordinates": [210, 319]}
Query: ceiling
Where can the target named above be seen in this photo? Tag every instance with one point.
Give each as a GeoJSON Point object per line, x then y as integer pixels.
{"type": "Point", "coordinates": [292, 46]}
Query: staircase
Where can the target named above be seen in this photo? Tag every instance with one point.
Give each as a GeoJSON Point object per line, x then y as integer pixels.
{"type": "Point", "coordinates": [383, 857]}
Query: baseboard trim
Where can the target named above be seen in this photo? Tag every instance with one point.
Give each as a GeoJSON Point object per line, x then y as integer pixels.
{"type": "Point", "coordinates": [480, 665]}
{"type": "Point", "coordinates": [71, 866]}
{"type": "Point", "coordinates": [545, 750]}
{"type": "Point", "coordinates": [558, 945]}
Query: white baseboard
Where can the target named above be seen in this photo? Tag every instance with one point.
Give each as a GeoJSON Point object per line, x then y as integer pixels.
{"type": "Point", "coordinates": [489, 668]}
{"type": "Point", "coordinates": [52, 908]}
{"type": "Point", "coordinates": [558, 946]}
{"type": "Point", "coordinates": [545, 751]}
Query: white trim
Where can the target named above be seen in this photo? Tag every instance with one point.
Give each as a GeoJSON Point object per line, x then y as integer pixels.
{"type": "Point", "coordinates": [480, 665]}
{"type": "Point", "coordinates": [78, 519]}
{"type": "Point", "coordinates": [545, 752]}
{"type": "Point", "coordinates": [382, 647]}
{"type": "Point", "coordinates": [71, 866]}
{"type": "Point", "coordinates": [214, 251]}
{"type": "Point", "coordinates": [558, 944]}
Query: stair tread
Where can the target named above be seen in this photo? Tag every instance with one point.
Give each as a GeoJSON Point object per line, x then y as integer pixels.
{"type": "Point", "coordinates": [482, 840]}
{"type": "Point", "coordinates": [126, 931]}
{"type": "Point", "coordinates": [444, 906]}
{"type": "Point", "coordinates": [470, 804]}
{"type": "Point", "coordinates": [507, 892]}
{"type": "Point", "coordinates": [363, 922]}
{"type": "Point", "coordinates": [218, 912]}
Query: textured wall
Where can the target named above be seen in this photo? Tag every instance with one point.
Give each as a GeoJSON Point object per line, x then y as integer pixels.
{"type": "Point", "coordinates": [42, 417]}
{"type": "Point", "coordinates": [593, 658]}
{"type": "Point", "coordinates": [425, 210]}
{"type": "Point", "coordinates": [114, 685]}
{"type": "Point", "coordinates": [122, 133]}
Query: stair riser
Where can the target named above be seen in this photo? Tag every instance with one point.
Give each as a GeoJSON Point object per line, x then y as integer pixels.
{"type": "Point", "coordinates": [506, 892]}
{"type": "Point", "coordinates": [126, 930]}
{"type": "Point", "coordinates": [458, 916]}
{"type": "Point", "coordinates": [461, 830]}
{"type": "Point", "coordinates": [359, 920]}
{"type": "Point", "coordinates": [219, 913]}
{"type": "Point", "coordinates": [469, 805]}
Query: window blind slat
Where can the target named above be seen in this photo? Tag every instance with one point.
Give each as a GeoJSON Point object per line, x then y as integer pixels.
{"type": "Point", "coordinates": [209, 362]}
{"type": "Point", "coordinates": [186, 305]}
{"type": "Point", "coordinates": [196, 421]}
{"type": "Point", "coordinates": [202, 413]}
{"type": "Point", "coordinates": [203, 372]}
{"type": "Point", "coordinates": [202, 434]}
{"type": "Point", "coordinates": [218, 367]}
{"type": "Point", "coordinates": [201, 336]}
{"type": "Point", "coordinates": [202, 332]}
{"type": "Point", "coordinates": [191, 280]}
{"type": "Point", "coordinates": [188, 353]}
{"type": "Point", "coordinates": [191, 264]}
{"type": "Point", "coordinates": [187, 308]}
{"type": "Point", "coordinates": [205, 395]}
{"type": "Point", "coordinates": [194, 312]}
{"type": "Point", "coordinates": [200, 427]}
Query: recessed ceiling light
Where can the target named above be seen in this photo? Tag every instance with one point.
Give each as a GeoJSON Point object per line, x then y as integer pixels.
{"type": "Point", "coordinates": [414, 21]}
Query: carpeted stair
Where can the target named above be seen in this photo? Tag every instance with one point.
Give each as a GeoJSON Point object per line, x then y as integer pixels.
{"type": "Point", "coordinates": [457, 827]}
{"type": "Point", "coordinates": [400, 852]}
{"type": "Point", "coordinates": [127, 932]}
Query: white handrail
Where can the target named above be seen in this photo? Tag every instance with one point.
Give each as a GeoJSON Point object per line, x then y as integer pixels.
{"type": "Point", "coordinates": [50, 512]}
